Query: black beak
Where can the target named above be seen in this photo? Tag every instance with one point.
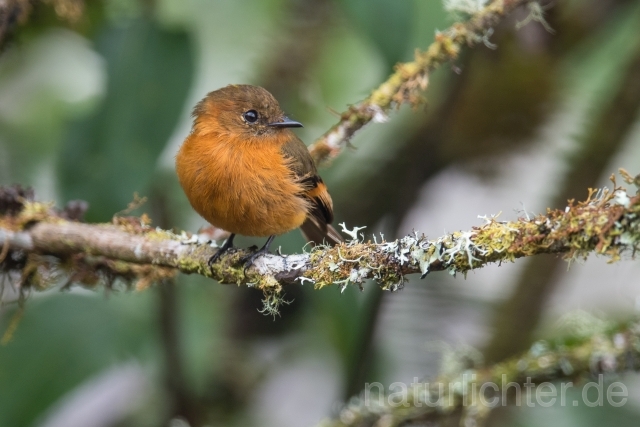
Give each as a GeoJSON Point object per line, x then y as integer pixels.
{"type": "Point", "coordinates": [286, 123]}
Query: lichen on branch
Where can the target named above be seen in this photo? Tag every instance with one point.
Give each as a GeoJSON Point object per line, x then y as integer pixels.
{"type": "Point", "coordinates": [410, 79]}
{"type": "Point", "coordinates": [471, 392]}
{"type": "Point", "coordinates": [607, 223]}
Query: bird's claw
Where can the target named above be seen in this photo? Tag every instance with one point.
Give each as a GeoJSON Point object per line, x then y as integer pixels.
{"type": "Point", "coordinates": [248, 260]}
{"type": "Point", "coordinates": [228, 244]}
{"type": "Point", "coordinates": [215, 257]}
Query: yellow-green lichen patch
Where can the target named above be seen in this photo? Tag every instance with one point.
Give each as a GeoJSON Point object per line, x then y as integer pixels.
{"type": "Point", "coordinates": [352, 263]}
{"type": "Point", "coordinates": [30, 212]}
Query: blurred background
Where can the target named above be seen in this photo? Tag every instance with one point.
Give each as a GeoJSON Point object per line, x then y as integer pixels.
{"type": "Point", "coordinates": [95, 98]}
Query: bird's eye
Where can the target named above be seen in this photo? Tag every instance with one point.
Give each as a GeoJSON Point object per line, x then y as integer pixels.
{"type": "Point", "coordinates": [250, 116]}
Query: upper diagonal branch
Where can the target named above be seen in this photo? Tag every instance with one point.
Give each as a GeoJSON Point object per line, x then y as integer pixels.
{"type": "Point", "coordinates": [411, 78]}
{"type": "Point", "coordinates": [607, 223]}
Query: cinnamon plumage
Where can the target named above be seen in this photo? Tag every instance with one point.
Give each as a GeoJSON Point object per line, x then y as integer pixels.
{"type": "Point", "coordinates": [245, 171]}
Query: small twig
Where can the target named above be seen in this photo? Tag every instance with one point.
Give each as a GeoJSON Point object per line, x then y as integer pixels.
{"type": "Point", "coordinates": [4, 252]}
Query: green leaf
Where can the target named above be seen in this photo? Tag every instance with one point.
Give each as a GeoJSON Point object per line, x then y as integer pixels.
{"type": "Point", "coordinates": [113, 153]}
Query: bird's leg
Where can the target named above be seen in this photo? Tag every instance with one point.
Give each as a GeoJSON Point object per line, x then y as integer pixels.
{"type": "Point", "coordinates": [228, 244]}
{"type": "Point", "coordinates": [248, 260]}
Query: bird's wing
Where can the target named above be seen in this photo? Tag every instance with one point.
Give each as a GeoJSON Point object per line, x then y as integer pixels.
{"type": "Point", "coordinates": [316, 228]}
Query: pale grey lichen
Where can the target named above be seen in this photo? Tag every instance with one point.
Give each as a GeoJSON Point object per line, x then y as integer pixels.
{"type": "Point", "coordinates": [621, 197]}
{"type": "Point", "coordinates": [468, 7]}
{"type": "Point", "coordinates": [353, 233]}
{"type": "Point", "coordinates": [536, 14]}
{"type": "Point", "coordinates": [303, 279]}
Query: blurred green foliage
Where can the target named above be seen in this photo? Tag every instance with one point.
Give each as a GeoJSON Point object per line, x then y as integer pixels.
{"type": "Point", "coordinates": [114, 152]}
{"type": "Point", "coordinates": [395, 17]}
{"type": "Point", "coordinates": [95, 110]}
{"type": "Point", "coordinates": [65, 339]}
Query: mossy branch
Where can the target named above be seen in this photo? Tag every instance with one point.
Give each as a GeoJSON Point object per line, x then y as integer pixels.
{"type": "Point", "coordinates": [472, 392]}
{"type": "Point", "coordinates": [89, 253]}
{"type": "Point", "coordinates": [410, 79]}
{"type": "Point", "coordinates": [607, 223]}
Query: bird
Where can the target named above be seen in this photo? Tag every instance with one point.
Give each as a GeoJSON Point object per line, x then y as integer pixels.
{"type": "Point", "coordinates": [244, 170]}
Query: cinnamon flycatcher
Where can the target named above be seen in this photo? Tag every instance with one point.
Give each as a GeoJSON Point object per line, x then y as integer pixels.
{"type": "Point", "coordinates": [245, 171]}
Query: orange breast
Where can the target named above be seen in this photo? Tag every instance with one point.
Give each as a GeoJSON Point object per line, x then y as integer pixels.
{"type": "Point", "coordinates": [243, 187]}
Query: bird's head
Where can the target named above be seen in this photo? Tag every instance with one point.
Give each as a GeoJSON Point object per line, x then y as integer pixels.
{"type": "Point", "coordinates": [242, 111]}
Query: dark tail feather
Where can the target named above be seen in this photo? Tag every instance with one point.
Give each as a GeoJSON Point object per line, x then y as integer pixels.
{"type": "Point", "coordinates": [320, 234]}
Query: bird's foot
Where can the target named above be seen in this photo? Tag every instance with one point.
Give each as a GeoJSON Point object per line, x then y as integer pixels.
{"type": "Point", "coordinates": [226, 246]}
{"type": "Point", "coordinates": [248, 260]}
